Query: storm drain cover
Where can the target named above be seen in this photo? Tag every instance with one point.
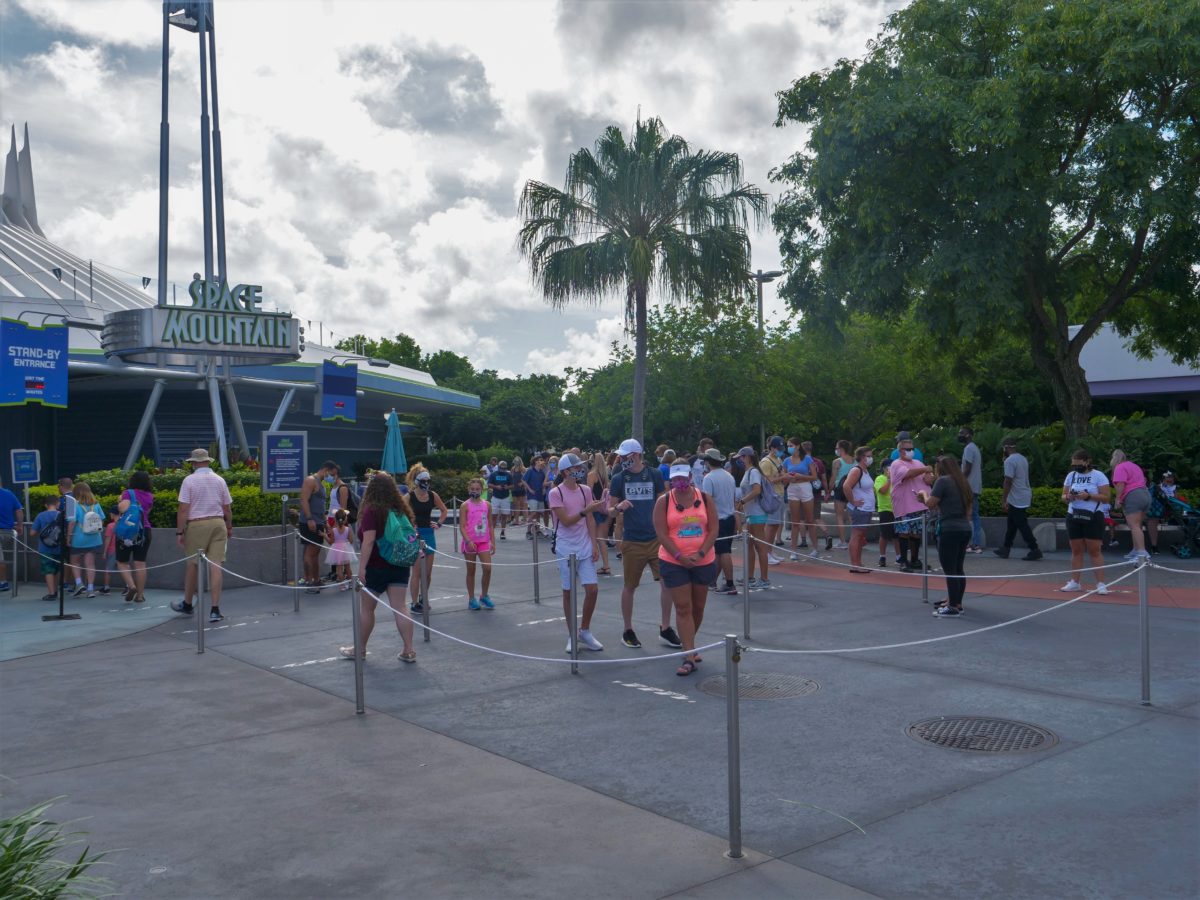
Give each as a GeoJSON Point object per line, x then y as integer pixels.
{"type": "Point", "coordinates": [982, 735]}
{"type": "Point", "coordinates": [762, 686]}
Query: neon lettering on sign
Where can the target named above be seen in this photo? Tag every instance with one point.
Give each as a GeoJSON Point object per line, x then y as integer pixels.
{"type": "Point", "coordinates": [221, 316]}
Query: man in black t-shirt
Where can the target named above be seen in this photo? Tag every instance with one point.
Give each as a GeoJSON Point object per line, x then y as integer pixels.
{"type": "Point", "coordinates": [500, 485]}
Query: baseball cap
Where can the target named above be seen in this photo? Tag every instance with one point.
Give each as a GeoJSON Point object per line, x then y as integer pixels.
{"type": "Point", "coordinates": [504, 464]}
{"type": "Point", "coordinates": [713, 454]}
{"type": "Point", "coordinates": [629, 446]}
{"type": "Point", "coordinates": [903, 436]}
{"type": "Point", "coordinates": [569, 461]}
{"type": "Point", "coordinates": [681, 472]}
{"type": "Point", "coordinates": [775, 442]}
{"type": "Point", "coordinates": [746, 451]}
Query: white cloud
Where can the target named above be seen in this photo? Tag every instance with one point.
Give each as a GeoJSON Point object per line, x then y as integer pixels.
{"type": "Point", "coordinates": [583, 350]}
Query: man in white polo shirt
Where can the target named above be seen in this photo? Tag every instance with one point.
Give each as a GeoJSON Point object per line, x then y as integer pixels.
{"type": "Point", "coordinates": [204, 522]}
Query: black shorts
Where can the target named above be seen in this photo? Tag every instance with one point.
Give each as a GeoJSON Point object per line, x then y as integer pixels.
{"type": "Point", "coordinates": [1092, 530]}
{"type": "Point", "coordinates": [726, 529]}
{"type": "Point", "coordinates": [379, 578]}
{"type": "Point", "coordinates": [136, 553]}
{"type": "Point", "coordinates": [674, 576]}
{"type": "Point", "coordinates": [313, 535]}
{"type": "Point", "coordinates": [886, 531]}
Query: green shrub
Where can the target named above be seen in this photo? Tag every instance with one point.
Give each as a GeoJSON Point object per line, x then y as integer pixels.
{"type": "Point", "coordinates": [113, 481]}
{"type": "Point", "coordinates": [1047, 503]}
{"type": "Point", "coordinates": [497, 450]}
{"type": "Point", "coordinates": [250, 505]}
{"type": "Point", "coordinates": [30, 847]}
{"type": "Point", "coordinates": [448, 461]}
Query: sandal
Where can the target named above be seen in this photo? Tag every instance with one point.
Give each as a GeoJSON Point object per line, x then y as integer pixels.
{"type": "Point", "coordinates": [687, 668]}
{"type": "Point", "coordinates": [409, 656]}
{"type": "Point", "coordinates": [348, 652]}
{"type": "Point", "coordinates": [605, 571]}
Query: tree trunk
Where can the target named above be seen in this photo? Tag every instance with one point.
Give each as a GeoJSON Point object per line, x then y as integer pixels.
{"type": "Point", "coordinates": [639, 361]}
{"type": "Point", "coordinates": [1059, 363]}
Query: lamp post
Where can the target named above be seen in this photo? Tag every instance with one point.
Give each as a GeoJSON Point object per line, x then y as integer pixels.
{"type": "Point", "coordinates": [760, 278]}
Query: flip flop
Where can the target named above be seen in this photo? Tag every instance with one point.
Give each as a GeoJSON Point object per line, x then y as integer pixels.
{"type": "Point", "coordinates": [687, 668]}
{"type": "Point", "coordinates": [409, 657]}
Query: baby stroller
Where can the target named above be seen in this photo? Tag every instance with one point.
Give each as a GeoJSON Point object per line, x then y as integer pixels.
{"type": "Point", "coordinates": [1176, 511]}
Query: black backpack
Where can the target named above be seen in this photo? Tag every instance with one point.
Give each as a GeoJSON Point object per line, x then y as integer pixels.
{"type": "Point", "coordinates": [351, 505]}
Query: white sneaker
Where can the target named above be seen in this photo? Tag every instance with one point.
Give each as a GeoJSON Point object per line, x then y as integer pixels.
{"type": "Point", "coordinates": [765, 585]}
{"type": "Point", "coordinates": [838, 545]}
{"type": "Point", "coordinates": [774, 560]}
{"type": "Point", "coordinates": [588, 641]}
{"type": "Point", "coordinates": [1071, 585]}
{"type": "Point", "coordinates": [1102, 589]}
{"type": "Point", "coordinates": [794, 557]}
{"type": "Point", "coordinates": [568, 650]}
{"type": "Point", "coordinates": [816, 554]}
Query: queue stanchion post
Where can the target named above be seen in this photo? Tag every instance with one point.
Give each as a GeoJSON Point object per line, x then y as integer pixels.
{"type": "Point", "coordinates": [359, 650]}
{"type": "Point", "coordinates": [201, 587]}
{"type": "Point", "coordinates": [537, 572]}
{"type": "Point", "coordinates": [734, 745]}
{"type": "Point", "coordinates": [573, 624]}
{"type": "Point", "coordinates": [925, 557]}
{"type": "Point", "coordinates": [746, 551]}
{"type": "Point", "coordinates": [457, 539]}
{"type": "Point", "coordinates": [283, 501]}
{"type": "Point", "coordinates": [1144, 629]}
{"type": "Point", "coordinates": [297, 553]}
{"type": "Point", "coordinates": [423, 590]}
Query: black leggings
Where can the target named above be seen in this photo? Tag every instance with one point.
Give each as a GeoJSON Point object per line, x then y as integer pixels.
{"type": "Point", "coordinates": [952, 552]}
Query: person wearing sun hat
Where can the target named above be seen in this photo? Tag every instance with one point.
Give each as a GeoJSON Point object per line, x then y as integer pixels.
{"type": "Point", "coordinates": [204, 522]}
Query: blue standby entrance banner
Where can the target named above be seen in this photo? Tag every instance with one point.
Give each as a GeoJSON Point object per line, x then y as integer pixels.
{"type": "Point", "coordinates": [33, 368]}
{"type": "Point", "coordinates": [339, 392]}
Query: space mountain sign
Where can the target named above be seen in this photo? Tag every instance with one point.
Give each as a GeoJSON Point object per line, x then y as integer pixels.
{"type": "Point", "coordinates": [221, 321]}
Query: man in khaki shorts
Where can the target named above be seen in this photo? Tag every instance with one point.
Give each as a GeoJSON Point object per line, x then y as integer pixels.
{"type": "Point", "coordinates": [633, 491]}
{"type": "Point", "coordinates": [204, 523]}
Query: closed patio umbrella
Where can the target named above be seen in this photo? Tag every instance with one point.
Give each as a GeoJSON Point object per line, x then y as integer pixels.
{"type": "Point", "coordinates": [393, 447]}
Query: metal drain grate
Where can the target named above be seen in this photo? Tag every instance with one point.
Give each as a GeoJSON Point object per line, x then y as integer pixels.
{"type": "Point", "coordinates": [762, 686]}
{"type": "Point", "coordinates": [982, 735]}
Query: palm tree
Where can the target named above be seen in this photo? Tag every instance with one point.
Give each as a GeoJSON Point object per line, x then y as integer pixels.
{"type": "Point", "coordinates": [640, 213]}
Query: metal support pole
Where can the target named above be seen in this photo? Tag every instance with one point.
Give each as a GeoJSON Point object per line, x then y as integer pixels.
{"type": "Point", "coordinates": [746, 584]}
{"type": "Point", "coordinates": [139, 436]}
{"type": "Point", "coordinates": [296, 554]}
{"type": "Point", "coordinates": [925, 557]}
{"type": "Point", "coordinates": [239, 429]}
{"type": "Point", "coordinates": [164, 149]}
{"type": "Point", "coordinates": [283, 578]}
{"type": "Point", "coordinates": [573, 624]}
{"type": "Point", "coordinates": [423, 592]}
{"type": "Point", "coordinates": [734, 750]}
{"type": "Point", "coordinates": [359, 650]}
{"type": "Point", "coordinates": [537, 572]}
{"type": "Point", "coordinates": [1144, 623]}
{"type": "Point", "coordinates": [283, 408]}
{"type": "Point", "coordinates": [457, 537]}
{"type": "Point", "coordinates": [206, 151]}
{"type": "Point", "coordinates": [214, 401]}
{"type": "Point", "coordinates": [201, 587]}
{"type": "Point", "coordinates": [218, 179]}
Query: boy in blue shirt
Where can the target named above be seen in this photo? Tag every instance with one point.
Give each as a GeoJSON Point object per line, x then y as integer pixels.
{"type": "Point", "coordinates": [44, 526]}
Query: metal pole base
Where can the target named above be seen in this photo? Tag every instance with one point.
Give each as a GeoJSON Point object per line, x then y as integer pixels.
{"type": "Point", "coordinates": [60, 618]}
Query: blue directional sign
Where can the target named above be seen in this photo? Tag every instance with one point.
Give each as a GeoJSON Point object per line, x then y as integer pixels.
{"type": "Point", "coordinates": [33, 368]}
{"type": "Point", "coordinates": [26, 466]}
{"type": "Point", "coordinates": [339, 392]}
{"type": "Point", "coordinates": [284, 461]}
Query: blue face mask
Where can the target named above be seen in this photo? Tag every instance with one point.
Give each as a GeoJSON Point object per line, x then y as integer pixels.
{"type": "Point", "coordinates": [779, 453]}
{"type": "Point", "coordinates": [328, 479]}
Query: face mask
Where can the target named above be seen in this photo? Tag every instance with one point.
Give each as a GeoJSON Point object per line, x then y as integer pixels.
{"type": "Point", "coordinates": [680, 484]}
{"type": "Point", "coordinates": [906, 454]}
{"type": "Point", "coordinates": [423, 484]}
{"type": "Point", "coordinates": [779, 453]}
{"type": "Point", "coordinates": [868, 461]}
{"type": "Point", "coordinates": [1079, 467]}
{"type": "Point", "coordinates": [579, 474]}
{"type": "Point", "coordinates": [626, 465]}
{"type": "Point", "coordinates": [962, 438]}
{"type": "Point", "coordinates": [791, 451]}
{"type": "Point", "coordinates": [328, 479]}
{"type": "Point", "coordinates": [474, 495]}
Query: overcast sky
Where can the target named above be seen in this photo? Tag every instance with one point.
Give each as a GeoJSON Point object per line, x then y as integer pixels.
{"type": "Point", "coordinates": [374, 151]}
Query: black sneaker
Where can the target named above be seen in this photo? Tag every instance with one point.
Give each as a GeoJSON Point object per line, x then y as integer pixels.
{"type": "Point", "coordinates": [883, 562]}
{"type": "Point", "coordinates": [417, 607]}
{"type": "Point", "coordinates": [214, 614]}
{"type": "Point", "coordinates": [49, 598]}
{"type": "Point", "coordinates": [502, 537]}
{"type": "Point", "coordinates": [1032, 555]}
{"type": "Point", "coordinates": [629, 639]}
{"type": "Point", "coordinates": [670, 638]}
{"type": "Point", "coordinates": [828, 544]}
{"type": "Point", "coordinates": [185, 608]}
{"type": "Point", "coordinates": [104, 589]}
{"type": "Point", "coordinates": [78, 590]}
{"type": "Point", "coordinates": [1001, 552]}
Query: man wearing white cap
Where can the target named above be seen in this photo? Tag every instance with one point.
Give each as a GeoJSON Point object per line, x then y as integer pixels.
{"type": "Point", "coordinates": [204, 522]}
{"type": "Point", "coordinates": [633, 491]}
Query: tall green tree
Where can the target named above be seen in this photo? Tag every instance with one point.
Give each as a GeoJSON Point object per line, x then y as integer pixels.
{"type": "Point", "coordinates": [1006, 164]}
{"type": "Point", "coordinates": [638, 214]}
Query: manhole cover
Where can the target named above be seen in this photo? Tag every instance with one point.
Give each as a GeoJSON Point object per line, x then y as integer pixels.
{"type": "Point", "coordinates": [982, 735]}
{"type": "Point", "coordinates": [762, 686]}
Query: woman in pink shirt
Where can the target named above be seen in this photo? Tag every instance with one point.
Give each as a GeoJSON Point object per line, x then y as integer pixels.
{"type": "Point", "coordinates": [1132, 495]}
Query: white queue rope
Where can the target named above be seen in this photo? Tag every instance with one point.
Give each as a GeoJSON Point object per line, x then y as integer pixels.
{"type": "Point", "coordinates": [269, 537]}
{"type": "Point", "coordinates": [945, 637]}
{"type": "Point", "coordinates": [549, 659]}
{"type": "Point", "coordinates": [1155, 565]}
{"type": "Point", "coordinates": [280, 587]}
{"type": "Point", "coordinates": [831, 562]}
{"type": "Point", "coordinates": [59, 559]}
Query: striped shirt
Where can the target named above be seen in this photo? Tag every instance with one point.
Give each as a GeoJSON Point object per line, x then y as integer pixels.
{"type": "Point", "coordinates": [206, 494]}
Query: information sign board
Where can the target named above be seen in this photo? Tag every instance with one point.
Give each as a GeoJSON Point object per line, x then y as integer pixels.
{"type": "Point", "coordinates": [284, 460]}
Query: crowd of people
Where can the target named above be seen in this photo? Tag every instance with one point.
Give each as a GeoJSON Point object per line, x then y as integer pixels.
{"type": "Point", "coordinates": [674, 514]}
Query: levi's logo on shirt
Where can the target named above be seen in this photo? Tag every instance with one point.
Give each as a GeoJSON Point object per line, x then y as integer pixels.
{"type": "Point", "coordinates": [639, 490]}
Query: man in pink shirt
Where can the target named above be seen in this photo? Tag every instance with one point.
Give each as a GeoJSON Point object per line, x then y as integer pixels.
{"type": "Point", "coordinates": [906, 476]}
{"type": "Point", "coordinates": [204, 522]}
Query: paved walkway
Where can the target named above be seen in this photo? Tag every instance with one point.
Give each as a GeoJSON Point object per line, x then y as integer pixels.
{"type": "Point", "coordinates": [243, 771]}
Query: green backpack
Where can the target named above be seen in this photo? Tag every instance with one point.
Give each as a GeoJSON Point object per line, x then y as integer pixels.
{"type": "Point", "coordinates": [400, 544]}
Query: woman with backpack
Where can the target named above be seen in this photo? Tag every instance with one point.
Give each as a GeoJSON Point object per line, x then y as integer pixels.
{"type": "Point", "coordinates": [381, 501]}
{"type": "Point", "coordinates": [86, 538]}
{"type": "Point", "coordinates": [133, 535]}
